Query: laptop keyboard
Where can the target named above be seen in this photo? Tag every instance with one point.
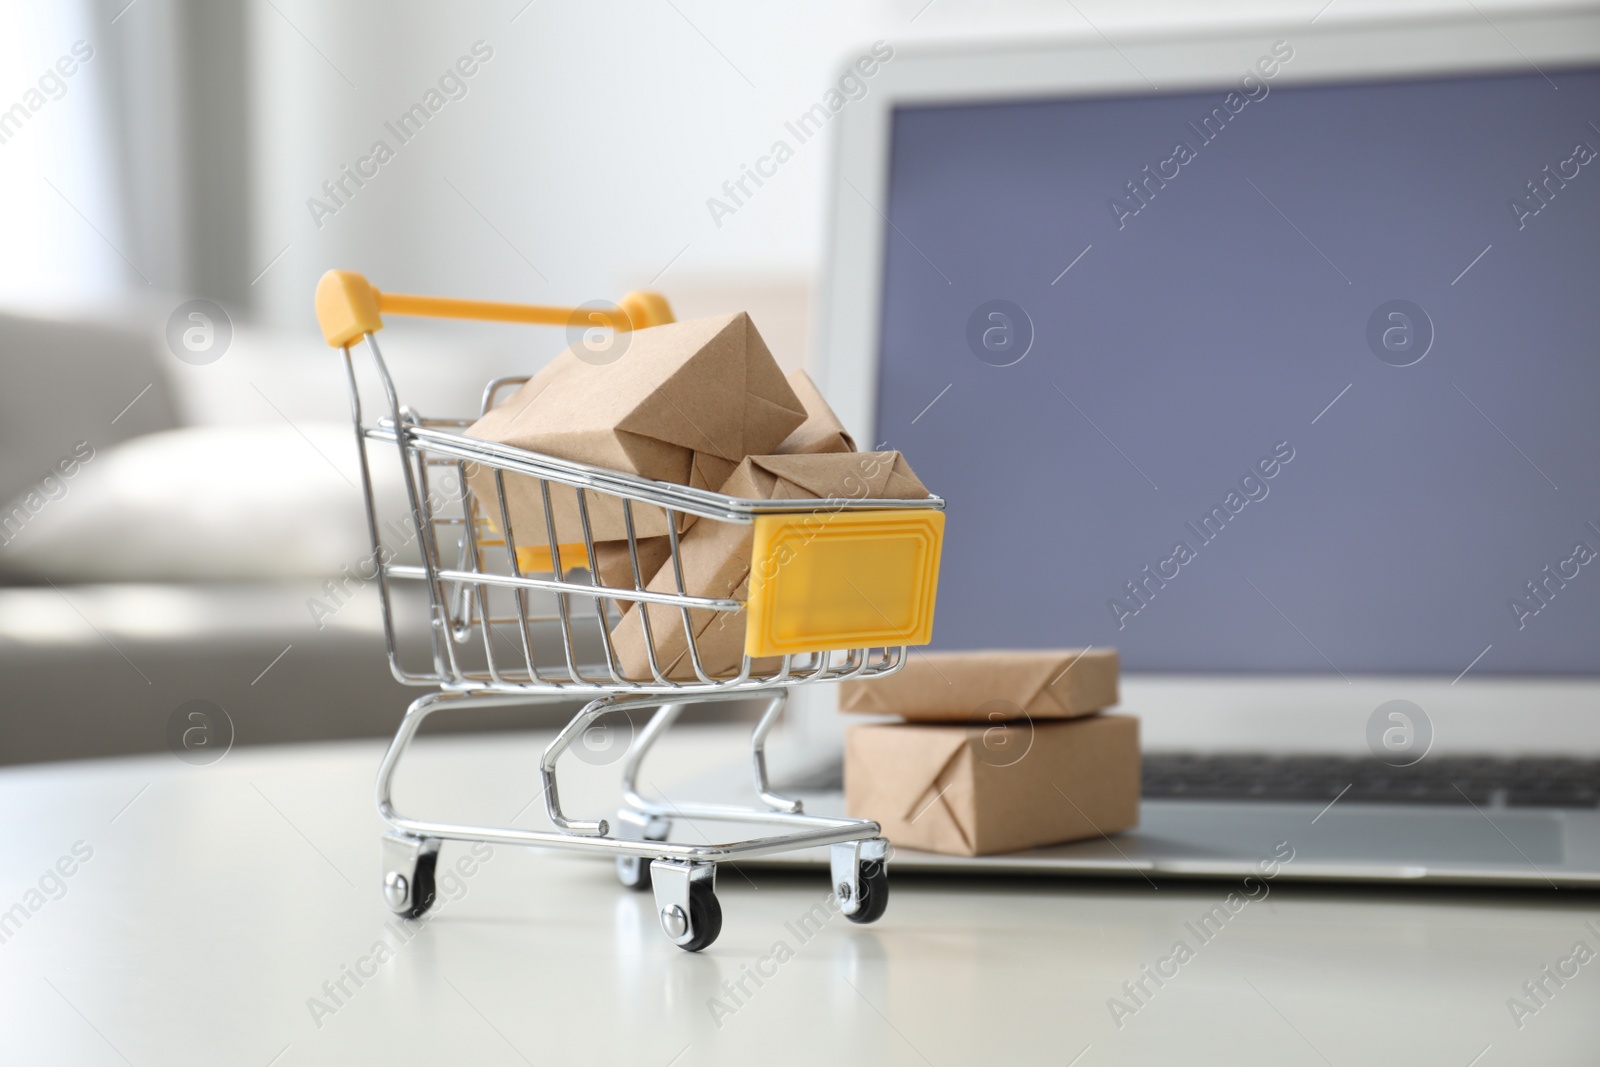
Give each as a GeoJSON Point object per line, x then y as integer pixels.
{"type": "Point", "coordinates": [1529, 782]}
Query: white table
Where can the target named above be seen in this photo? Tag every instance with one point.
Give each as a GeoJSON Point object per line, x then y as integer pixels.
{"type": "Point", "coordinates": [218, 901]}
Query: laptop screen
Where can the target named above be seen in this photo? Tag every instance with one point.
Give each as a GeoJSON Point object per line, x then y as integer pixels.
{"type": "Point", "coordinates": [1276, 379]}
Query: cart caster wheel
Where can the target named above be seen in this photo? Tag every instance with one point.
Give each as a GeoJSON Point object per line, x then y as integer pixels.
{"type": "Point", "coordinates": [686, 902]}
{"type": "Point", "coordinates": [874, 893]}
{"type": "Point", "coordinates": [705, 913]}
{"type": "Point", "coordinates": [408, 876]}
{"type": "Point", "coordinates": [633, 872]}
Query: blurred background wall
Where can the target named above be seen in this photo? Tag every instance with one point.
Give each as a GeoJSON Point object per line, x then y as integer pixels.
{"type": "Point", "coordinates": [578, 162]}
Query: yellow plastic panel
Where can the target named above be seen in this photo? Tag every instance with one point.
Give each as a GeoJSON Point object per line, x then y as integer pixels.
{"type": "Point", "coordinates": [839, 580]}
{"type": "Point", "coordinates": [535, 559]}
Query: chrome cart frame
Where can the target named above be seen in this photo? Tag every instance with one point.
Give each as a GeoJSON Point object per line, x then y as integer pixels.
{"type": "Point", "coordinates": [485, 629]}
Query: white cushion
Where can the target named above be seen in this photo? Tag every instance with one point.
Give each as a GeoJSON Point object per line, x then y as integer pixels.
{"type": "Point", "coordinates": [205, 503]}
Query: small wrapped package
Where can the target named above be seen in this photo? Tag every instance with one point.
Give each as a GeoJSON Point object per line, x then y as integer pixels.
{"type": "Point", "coordinates": [972, 790]}
{"type": "Point", "coordinates": [821, 432]}
{"type": "Point", "coordinates": [614, 566]}
{"type": "Point", "coordinates": [685, 403]}
{"type": "Point", "coordinates": [990, 686]}
{"type": "Point", "coordinates": [716, 557]}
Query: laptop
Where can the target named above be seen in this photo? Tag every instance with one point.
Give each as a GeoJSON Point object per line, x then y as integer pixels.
{"type": "Point", "coordinates": [1268, 358]}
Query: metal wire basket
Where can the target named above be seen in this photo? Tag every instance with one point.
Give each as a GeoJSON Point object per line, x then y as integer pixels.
{"type": "Point", "coordinates": [492, 604]}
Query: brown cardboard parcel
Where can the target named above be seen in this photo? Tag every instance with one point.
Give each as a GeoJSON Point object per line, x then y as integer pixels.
{"type": "Point", "coordinates": [685, 403]}
{"type": "Point", "coordinates": [990, 686]}
{"type": "Point", "coordinates": [821, 432]}
{"type": "Point", "coordinates": [716, 557]}
{"type": "Point", "coordinates": [977, 790]}
{"type": "Point", "coordinates": [614, 564]}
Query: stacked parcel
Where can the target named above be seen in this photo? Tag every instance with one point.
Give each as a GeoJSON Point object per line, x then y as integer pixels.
{"type": "Point", "coordinates": [998, 751]}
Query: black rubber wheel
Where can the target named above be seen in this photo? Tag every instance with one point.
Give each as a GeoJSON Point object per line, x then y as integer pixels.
{"type": "Point", "coordinates": [634, 872]}
{"type": "Point", "coordinates": [422, 887]}
{"type": "Point", "coordinates": [874, 894]}
{"type": "Point", "coordinates": [705, 914]}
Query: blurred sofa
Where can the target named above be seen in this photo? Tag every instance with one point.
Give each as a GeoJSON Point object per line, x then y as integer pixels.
{"type": "Point", "coordinates": [170, 531]}
{"type": "Point", "coordinates": [174, 532]}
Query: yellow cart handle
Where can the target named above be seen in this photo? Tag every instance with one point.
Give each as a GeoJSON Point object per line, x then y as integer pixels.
{"type": "Point", "coordinates": [349, 306]}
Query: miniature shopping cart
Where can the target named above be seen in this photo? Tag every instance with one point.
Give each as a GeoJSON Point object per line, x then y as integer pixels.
{"type": "Point", "coordinates": [507, 623]}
